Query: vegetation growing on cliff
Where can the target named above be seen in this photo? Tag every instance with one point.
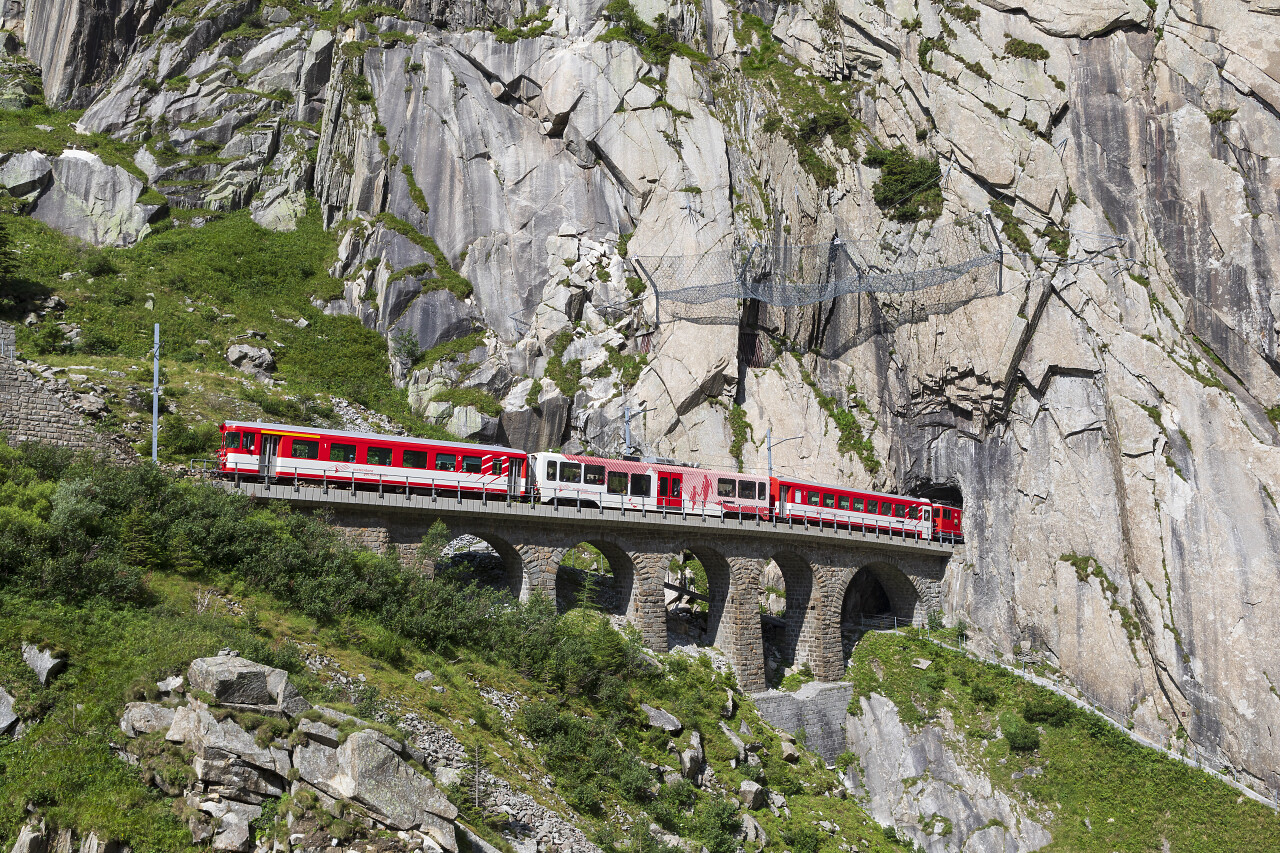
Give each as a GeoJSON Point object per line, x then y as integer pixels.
{"type": "Point", "coordinates": [1103, 792]}
{"type": "Point", "coordinates": [207, 287]}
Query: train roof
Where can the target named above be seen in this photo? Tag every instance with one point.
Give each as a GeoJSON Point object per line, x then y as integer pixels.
{"type": "Point", "coordinates": [794, 481]}
{"type": "Point", "coordinates": [640, 466]}
{"type": "Point", "coordinates": [336, 433]}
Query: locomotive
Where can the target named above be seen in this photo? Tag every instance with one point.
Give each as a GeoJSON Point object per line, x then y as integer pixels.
{"type": "Point", "coordinates": [276, 452]}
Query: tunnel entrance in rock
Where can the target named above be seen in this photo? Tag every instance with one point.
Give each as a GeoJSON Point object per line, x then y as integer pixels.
{"type": "Point", "coordinates": [947, 494]}
{"type": "Point", "coordinates": [597, 576]}
{"type": "Point", "coordinates": [695, 590]}
{"type": "Point", "coordinates": [485, 561]}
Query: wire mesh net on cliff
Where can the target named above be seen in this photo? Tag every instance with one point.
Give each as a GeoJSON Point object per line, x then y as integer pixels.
{"type": "Point", "coordinates": [909, 272]}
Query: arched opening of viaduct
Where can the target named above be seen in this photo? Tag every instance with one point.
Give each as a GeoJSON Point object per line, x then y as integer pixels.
{"type": "Point", "coordinates": [596, 573]}
{"type": "Point", "coordinates": [787, 631]}
{"type": "Point", "coordinates": [876, 595]}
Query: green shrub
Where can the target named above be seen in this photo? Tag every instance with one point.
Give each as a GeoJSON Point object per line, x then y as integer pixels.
{"type": "Point", "coordinates": [1022, 737]}
{"type": "Point", "coordinates": [656, 44]}
{"type": "Point", "coordinates": [1054, 711]}
{"type": "Point", "coordinates": [803, 839]}
{"type": "Point", "coordinates": [984, 694]}
{"type": "Point", "coordinates": [476, 397]}
{"type": "Point", "coordinates": [1011, 226]}
{"type": "Point", "coordinates": [1019, 49]}
{"type": "Point", "coordinates": [908, 189]}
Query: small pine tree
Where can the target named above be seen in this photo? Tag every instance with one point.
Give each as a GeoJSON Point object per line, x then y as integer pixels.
{"type": "Point", "coordinates": [139, 545]}
{"type": "Point", "coordinates": [183, 557]}
{"type": "Point", "coordinates": [432, 546]}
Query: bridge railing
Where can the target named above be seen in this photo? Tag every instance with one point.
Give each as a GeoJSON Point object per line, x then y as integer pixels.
{"type": "Point", "coordinates": [581, 503]}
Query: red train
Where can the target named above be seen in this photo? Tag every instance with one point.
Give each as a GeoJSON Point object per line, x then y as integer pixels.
{"type": "Point", "coordinates": [366, 460]}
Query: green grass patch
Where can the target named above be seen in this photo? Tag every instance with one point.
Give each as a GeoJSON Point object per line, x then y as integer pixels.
{"type": "Point", "coordinates": [1011, 227]}
{"type": "Point", "coordinates": [448, 278]}
{"type": "Point", "coordinates": [480, 400]}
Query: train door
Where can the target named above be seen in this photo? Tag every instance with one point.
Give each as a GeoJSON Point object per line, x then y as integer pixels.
{"type": "Point", "coordinates": [670, 490]}
{"type": "Point", "coordinates": [270, 453]}
{"type": "Point", "coordinates": [513, 477]}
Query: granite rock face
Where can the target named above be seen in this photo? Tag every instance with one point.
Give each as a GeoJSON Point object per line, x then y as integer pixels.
{"type": "Point", "coordinates": [1113, 408]}
{"type": "Point", "coordinates": [914, 781]}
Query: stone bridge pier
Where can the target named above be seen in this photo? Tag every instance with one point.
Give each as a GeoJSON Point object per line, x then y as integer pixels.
{"type": "Point", "coordinates": [820, 578]}
{"type": "Point", "coordinates": [831, 577]}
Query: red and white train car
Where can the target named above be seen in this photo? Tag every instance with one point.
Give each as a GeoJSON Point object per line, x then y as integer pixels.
{"type": "Point", "coordinates": [818, 503]}
{"type": "Point", "coordinates": [638, 485]}
{"type": "Point", "coordinates": [286, 452]}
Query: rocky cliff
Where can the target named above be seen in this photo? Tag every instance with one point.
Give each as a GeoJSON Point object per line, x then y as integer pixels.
{"type": "Point", "coordinates": [1102, 404]}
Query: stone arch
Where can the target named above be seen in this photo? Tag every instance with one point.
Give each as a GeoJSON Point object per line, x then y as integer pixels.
{"type": "Point", "coordinates": [876, 593]}
{"type": "Point", "coordinates": [513, 575]}
{"type": "Point", "coordinates": [617, 598]}
{"type": "Point", "coordinates": [793, 641]}
{"type": "Point", "coordinates": [718, 572]}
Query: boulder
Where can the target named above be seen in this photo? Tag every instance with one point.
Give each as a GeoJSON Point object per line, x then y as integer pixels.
{"type": "Point", "coordinates": [236, 682]}
{"type": "Point", "coordinates": [234, 819]}
{"type": "Point", "coordinates": [171, 684]}
{"type": "Point", "coordinates": [31, 839]}
{"type": "Point", "coordinates": [98, 203]}
{"type": "Point", "coordinates": [752, 794]}
{"type": "Point", "coordinates": [280, 209]}
{"type": "Point", "coordinates": [467, 422]}
{"type": "Point", "coordinates": [374, 776]}
{"type": "Point", "coordinates": [735, 740]}
{"type": "Point", "coordinates": [258, 362]}
{"type": "Point", "coordinates": [145, 717]}
{"type": "Point", "coordinates": [660, 719]}
{"type": "Point", "coordinates": [753, 831]}
{"type": "Point", "coordinates": [537, 428]}
{"type": "Point", "coordinates": [25, 174]}
{"type": "Point", "coordinates": [8, 719]}
{"type": "Point", "coordinates": [44, 663]}
{"type": "Point", "coordinates": [790, 752]}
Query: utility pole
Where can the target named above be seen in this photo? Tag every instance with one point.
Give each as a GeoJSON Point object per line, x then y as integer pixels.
{"type": "Point", "coordinates": [769, 442]}
{"type": "Point", "coordinates": [155, 397]}
{"type": "Point", "coordinates": [627, 414]}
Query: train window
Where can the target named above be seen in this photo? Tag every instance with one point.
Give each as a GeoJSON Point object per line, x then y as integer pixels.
{"type": "Point", "coordinates": [231, 441]}
{"type": "Point", "coordinates": [518, 464]}
{"type": "Point", "coordinates": [551, 470]}
{"type": "Point", "coordinates": [471, 464]}
{"type": "Point", "coordinates": [571, 472]}
{"type": "Point", "coordinates": [495, 466]}
{"type": "Point", "coordinates": [726, 488]}
{"type": "Point", "coordinates": [873, 507]}
{"type": "Point", "coordinates": [913, 512]}
{"type": "Point", "coordinates": [813, 498]}
{"type": "Point", "coordinates": [762, 491]}
{"type": "Point", "coordinates": [444, 461]}
{"type": "Point", "coordinates": [946, 514]}
{"type": "Point", "coordinates": [342, 453]}
{"type": "Point", "coordinates": [249, 441]}
{"type": "Point", "coordinates": [886, 508]}
{"type": "Point", "coordinates": [593, 475]}
{"type": "Point", "coordinates": [829, 501]}
{"type": "Point", "coordinates": [857, 504]}
{"type": "Point", "coordinates": [617, 484]}
{"type": "Point", "coordinates": [418, 459]}
{"type": "Point", "coordinates": [305, 449]}
{"type": "Point", "coordinates": [899, 510]}
{"type": "Point", "coordinates": [641, 485]}
{"type": "Point", "coordinates": [675, 487]}
{"type": "Point", "coordinates": [843, 503]}
{"type": "Point", "coordinates": [747, 489]}
{"type": "Point", "coordinates": [664, 483]}
{"type": "Point", "coordinates": [378, 456]}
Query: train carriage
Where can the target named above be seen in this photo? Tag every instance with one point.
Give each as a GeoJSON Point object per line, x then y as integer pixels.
{"type": "Point", "coordinates": [630, 484]}
{"type": "Point", "coordinates": [818, 503]}
{"type": "Point", "coordinates": [364, 460]}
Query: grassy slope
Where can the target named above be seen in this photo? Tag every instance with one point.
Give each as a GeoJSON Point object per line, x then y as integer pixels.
{"type": "Point", "coordinates": [208, 284]}
{"type": "Point", "coordinates": [1135, 798]}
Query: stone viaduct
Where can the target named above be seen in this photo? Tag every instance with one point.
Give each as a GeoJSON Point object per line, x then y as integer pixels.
{"type": "Point", "coordinates": [819, 566]}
